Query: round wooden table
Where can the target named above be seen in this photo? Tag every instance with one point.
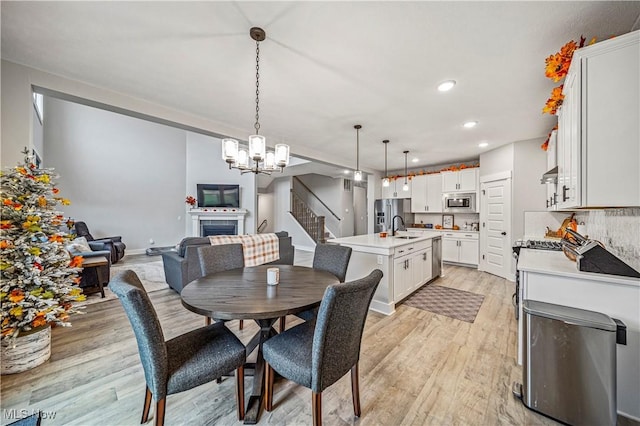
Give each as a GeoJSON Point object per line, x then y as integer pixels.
{"type": "Point", "coordinates": [244, 294]}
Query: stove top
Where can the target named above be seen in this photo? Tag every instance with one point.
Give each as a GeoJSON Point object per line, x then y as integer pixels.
{"type": "Point", "coordinates": [552, 245]}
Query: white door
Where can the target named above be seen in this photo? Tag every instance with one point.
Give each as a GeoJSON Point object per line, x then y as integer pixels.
{"type": "Point", "coordinates": [434, 193]}
{"type": "Point", "coordinates": [419, 194]}
{"type": "Point", "coordinates": [495, 227]}
{"type": "Point", "coordinates": [360, 210]}
{"type": "Point", "coordinates": [450, 250]}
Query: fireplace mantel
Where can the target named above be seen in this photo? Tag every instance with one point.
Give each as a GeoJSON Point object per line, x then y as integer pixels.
{"type": "Point", "coordinates": [216, 213]}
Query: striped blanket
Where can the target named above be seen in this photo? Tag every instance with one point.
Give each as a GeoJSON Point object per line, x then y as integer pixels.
{"type": "Point", "coordinates": [258, 248]}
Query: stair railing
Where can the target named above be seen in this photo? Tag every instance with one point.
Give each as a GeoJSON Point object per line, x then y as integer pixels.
{"type": "Point", "coordinates": [310, 222]}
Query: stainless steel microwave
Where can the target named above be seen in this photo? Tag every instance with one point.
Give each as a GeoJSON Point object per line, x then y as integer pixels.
{"type": "Point", "coordinates": [459, 203]}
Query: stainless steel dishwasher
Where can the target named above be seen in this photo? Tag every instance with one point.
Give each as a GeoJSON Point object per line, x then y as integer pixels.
{"type": "Point", "coordinates": [569, 363]}
{"type": "Point", "coordinates": [436, 257]}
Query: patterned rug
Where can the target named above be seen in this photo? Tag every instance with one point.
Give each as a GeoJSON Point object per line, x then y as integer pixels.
{"type": "Point", "coordinates": [457, 304]}
{"type": "Point", "coordinates": [151, 274]}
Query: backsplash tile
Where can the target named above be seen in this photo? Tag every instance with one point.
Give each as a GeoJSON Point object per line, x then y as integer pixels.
{"type": "Point", "coordinates": [617, 229]}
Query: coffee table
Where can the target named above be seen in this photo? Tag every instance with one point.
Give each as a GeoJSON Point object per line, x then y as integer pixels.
{"type": "Point", "coordinates": [244, 294]}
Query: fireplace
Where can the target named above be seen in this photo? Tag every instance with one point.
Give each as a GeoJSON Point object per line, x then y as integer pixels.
{"type": "Point", "coordinates": [217, 221]}
{"type": "Point", "coordinates": [218, 227]}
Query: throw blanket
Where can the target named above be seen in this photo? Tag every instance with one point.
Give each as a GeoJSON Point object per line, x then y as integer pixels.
{"type": "Point", "coordinates": [258, 248]}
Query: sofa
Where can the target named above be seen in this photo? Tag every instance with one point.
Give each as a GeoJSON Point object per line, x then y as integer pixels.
{"type": "Point", "coordinates": [183, 266]}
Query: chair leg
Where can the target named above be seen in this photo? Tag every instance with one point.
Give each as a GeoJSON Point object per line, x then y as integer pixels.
{"type": "Point", "coordinates": [355, 390]}
{"type": "Point", "coordinates": [316, 407]}
{"type": "Point", "coordinates": [147, 406]}
{"type": "Point", "coordinates": [241, 324]}
{"type": "Point", "coordinates": [207, 321]}
{"type": "Point", "coordinates": [240, 391]}
{"type": "Point", "coordinates": [160, 412]}
{"type": "Point", "coordinates": [283, 323]}
{"type": "Point", "coordinates": [268, 387]}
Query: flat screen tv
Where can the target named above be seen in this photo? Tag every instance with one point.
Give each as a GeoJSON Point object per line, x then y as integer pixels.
{"type": "Point", "coordinates": [216, 195]}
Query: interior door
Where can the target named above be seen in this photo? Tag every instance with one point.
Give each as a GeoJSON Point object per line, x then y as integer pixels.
{"type": "Point", "coordinates": [360, 210]}
{"type": "Point", "coordinates": [495, 229]}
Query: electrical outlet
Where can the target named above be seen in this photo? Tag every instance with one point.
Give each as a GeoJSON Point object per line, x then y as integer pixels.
{"type": "Point", "coordinates": [151, 241]}
{"type": "Point", "coordinates": [379, 260]}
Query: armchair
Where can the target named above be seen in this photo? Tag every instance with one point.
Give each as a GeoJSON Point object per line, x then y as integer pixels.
{"type": "Point", "coordinates": [113, 244]}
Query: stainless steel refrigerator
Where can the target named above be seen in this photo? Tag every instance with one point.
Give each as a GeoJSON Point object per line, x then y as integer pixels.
{"type": "Point", "coordinates": [386, 209]}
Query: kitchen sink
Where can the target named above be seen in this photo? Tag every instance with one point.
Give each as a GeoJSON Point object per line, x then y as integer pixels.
{"type": "Point", "coordinates": [406, 237]}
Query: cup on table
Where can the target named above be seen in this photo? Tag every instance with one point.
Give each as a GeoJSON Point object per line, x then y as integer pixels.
{"type": "Point", "coordinates": [383, 235]}
{"type": "Point", "coordinates": [273, 276]}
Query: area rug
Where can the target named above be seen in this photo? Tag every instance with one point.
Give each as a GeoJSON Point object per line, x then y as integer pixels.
{"type": "Point", "coordinates": [458, 304]}
{"type": "Point", "coordinates": [151, 274]}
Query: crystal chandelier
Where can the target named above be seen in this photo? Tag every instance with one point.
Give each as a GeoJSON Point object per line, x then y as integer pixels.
{"type": "Point", "coordinates": [249, 160]}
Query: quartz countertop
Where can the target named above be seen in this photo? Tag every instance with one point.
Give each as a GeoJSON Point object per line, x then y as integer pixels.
{"type": "Point", "coordinates": [412, 229]}
{"type": "Point", "coordinates": [556, 263]}
{"type": "Point", "coordinates": [389, 242]}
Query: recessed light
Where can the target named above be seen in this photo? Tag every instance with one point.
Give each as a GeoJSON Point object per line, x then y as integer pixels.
{"type": "Point", "coordinates": [415, 160]}
{"type": "Point", "coordinates": [483, 144]}
{"type": "Point", "coordinates": [470, 124]}
{"type": "Point", "coordinates": [346, 172]}
{"type": "Point", "coordinates": [445, 86]}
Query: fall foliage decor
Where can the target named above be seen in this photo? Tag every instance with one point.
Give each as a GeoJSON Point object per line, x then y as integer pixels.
{"type": "Point", "coordinates": [190, 200]}
{"type": "Point", "coordinates": [554, 102]}
{"type": "Point", "coordinates": [39, 278]}
{"type": "Point", "coordinates": [545, 145]}
{"type": "Point", "coordinates": [557, 65]}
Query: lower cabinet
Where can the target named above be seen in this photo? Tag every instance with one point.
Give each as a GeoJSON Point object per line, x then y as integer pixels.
{"type": "Point", "coordinates": [460, 248]}
{"type": "Point", "coordinates": [410, 271]}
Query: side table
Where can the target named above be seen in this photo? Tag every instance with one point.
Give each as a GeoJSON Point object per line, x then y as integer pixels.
{"type": "Point", "coordinates": [95, 273]}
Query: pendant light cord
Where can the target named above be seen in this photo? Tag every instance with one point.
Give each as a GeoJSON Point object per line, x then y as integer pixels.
{"type": "Point", "coordinates": [257, 125]}
{"type": "Point", "coordinates": [405, 167]}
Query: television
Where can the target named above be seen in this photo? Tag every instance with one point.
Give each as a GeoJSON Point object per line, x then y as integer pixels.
{"type": "Point", "coordinates": [217, 195]}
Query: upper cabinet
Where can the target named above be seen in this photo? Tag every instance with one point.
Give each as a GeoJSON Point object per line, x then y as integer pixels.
{"type": "Point", "coordinates": [465, 180]}
{"type": "Point", "coordinates": [598, 141]}
{"type": "Point", "coordinates": [426, 193]}
{"type": "Point", "coordinates": [394, 190]}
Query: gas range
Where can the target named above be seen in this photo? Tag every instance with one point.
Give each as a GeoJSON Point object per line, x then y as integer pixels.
{"type": "Point", "coordinates": [553, 245]}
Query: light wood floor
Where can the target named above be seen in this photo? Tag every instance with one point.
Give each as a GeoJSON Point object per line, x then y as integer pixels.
{"type": "Point", "coordinates": [416, 368]}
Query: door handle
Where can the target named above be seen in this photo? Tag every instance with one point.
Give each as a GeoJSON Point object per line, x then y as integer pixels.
{"type": "Point", "coordinates": [564, 193]}
{"type": "Point", "coordinates": [503, 233]}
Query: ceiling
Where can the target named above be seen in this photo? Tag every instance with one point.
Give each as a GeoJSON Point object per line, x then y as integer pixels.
{"type": "Point", "coordinates": [325, 66]}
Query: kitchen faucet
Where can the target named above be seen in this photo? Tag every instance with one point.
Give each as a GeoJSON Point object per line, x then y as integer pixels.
{"type": "Point", "coordinates": [393, 221]}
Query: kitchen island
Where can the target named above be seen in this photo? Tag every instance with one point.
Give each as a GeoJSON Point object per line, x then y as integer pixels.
{"type": "Point", "coordinates": [408, 261]}
{"type": "Point", "coordinates": [549, 276]}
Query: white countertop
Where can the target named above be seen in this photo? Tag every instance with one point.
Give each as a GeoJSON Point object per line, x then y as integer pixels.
{"type": "Point", "coordinates": [411, 229]}
{"type": "Point", "coordinates": [556, 263]}
{"type": "Point", "coordinates": [374, 240]}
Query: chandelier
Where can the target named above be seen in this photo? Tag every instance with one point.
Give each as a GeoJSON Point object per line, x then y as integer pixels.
{"type": "Point", "coordinates": [256, 159]}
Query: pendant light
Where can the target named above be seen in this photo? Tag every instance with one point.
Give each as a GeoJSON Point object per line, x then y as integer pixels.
{"type": "Point", "coordinates": [385, 179]}
{"type": "Point", "coordinates": [405, 187]}
{"type": "Point", "coordinates": [357, 175]}
{"type": "Point", "coordinates": [240, 158]}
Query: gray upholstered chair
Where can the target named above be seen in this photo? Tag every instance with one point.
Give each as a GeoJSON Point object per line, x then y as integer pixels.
{"type": "Point", "coordinates": [184, 362]}
{"type": "Point", "coordinates": [315, 354]}
{"type": "Point", "coordinates": [331, 258]}
{"type": "Point", "coordinates": [220, 258]}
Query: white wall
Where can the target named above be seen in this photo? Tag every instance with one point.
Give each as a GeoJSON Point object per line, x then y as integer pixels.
{"type": "Point", "coordinates": [204, 164]}
{"type": "Point", "coordinates": [529, 163]}
{"type": "Point", "coordinates": [283, 220]}
{"type": "Point", "coordinates": [497, 160]}
{"type": "Point", "coordinates": [17, 82]}
{"type": "Point", "coordinates": [130, 177]}
{"type": "Point", "coordinates": [266, 210]}
{"type": "Point", "coordinates": [124, 176]}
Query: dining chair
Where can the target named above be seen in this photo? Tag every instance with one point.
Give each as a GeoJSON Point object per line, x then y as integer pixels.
{"type": "Point", "coordinates": [184, 362]}
{"type": "Point", "coordinates": [316, 354]}
{"type": "Point", "coordinates": [220, 258]}
{"type": "Point", "coordinates": [331, 258]}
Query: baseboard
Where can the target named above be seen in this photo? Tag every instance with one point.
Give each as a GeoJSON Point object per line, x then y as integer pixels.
{"type": "Point", "coordinates": [383, 308]}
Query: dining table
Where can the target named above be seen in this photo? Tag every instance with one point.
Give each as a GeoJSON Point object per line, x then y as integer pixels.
{"type": "Point", "coordinates": [243, 294]}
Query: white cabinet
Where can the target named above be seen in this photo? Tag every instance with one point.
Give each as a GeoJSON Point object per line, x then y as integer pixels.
{"type": "Point", "coordinates": [465, 180]}
{"type": "Point", "coordinates": [552, 161]}
{"type": "Point", "coordinates": [412, 267]}
{"type": "Point", "coordinates": [460, 247]}
{"type": "Point", "coordinates": [426, 193]}
{"type": "Point", "coordinates": [394, 190]}
{"type": "Point", "coordinates": [598, 132]}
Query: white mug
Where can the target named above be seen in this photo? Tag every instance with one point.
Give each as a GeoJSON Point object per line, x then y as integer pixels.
{"type": "Point", "coordinates": [273, 276]}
